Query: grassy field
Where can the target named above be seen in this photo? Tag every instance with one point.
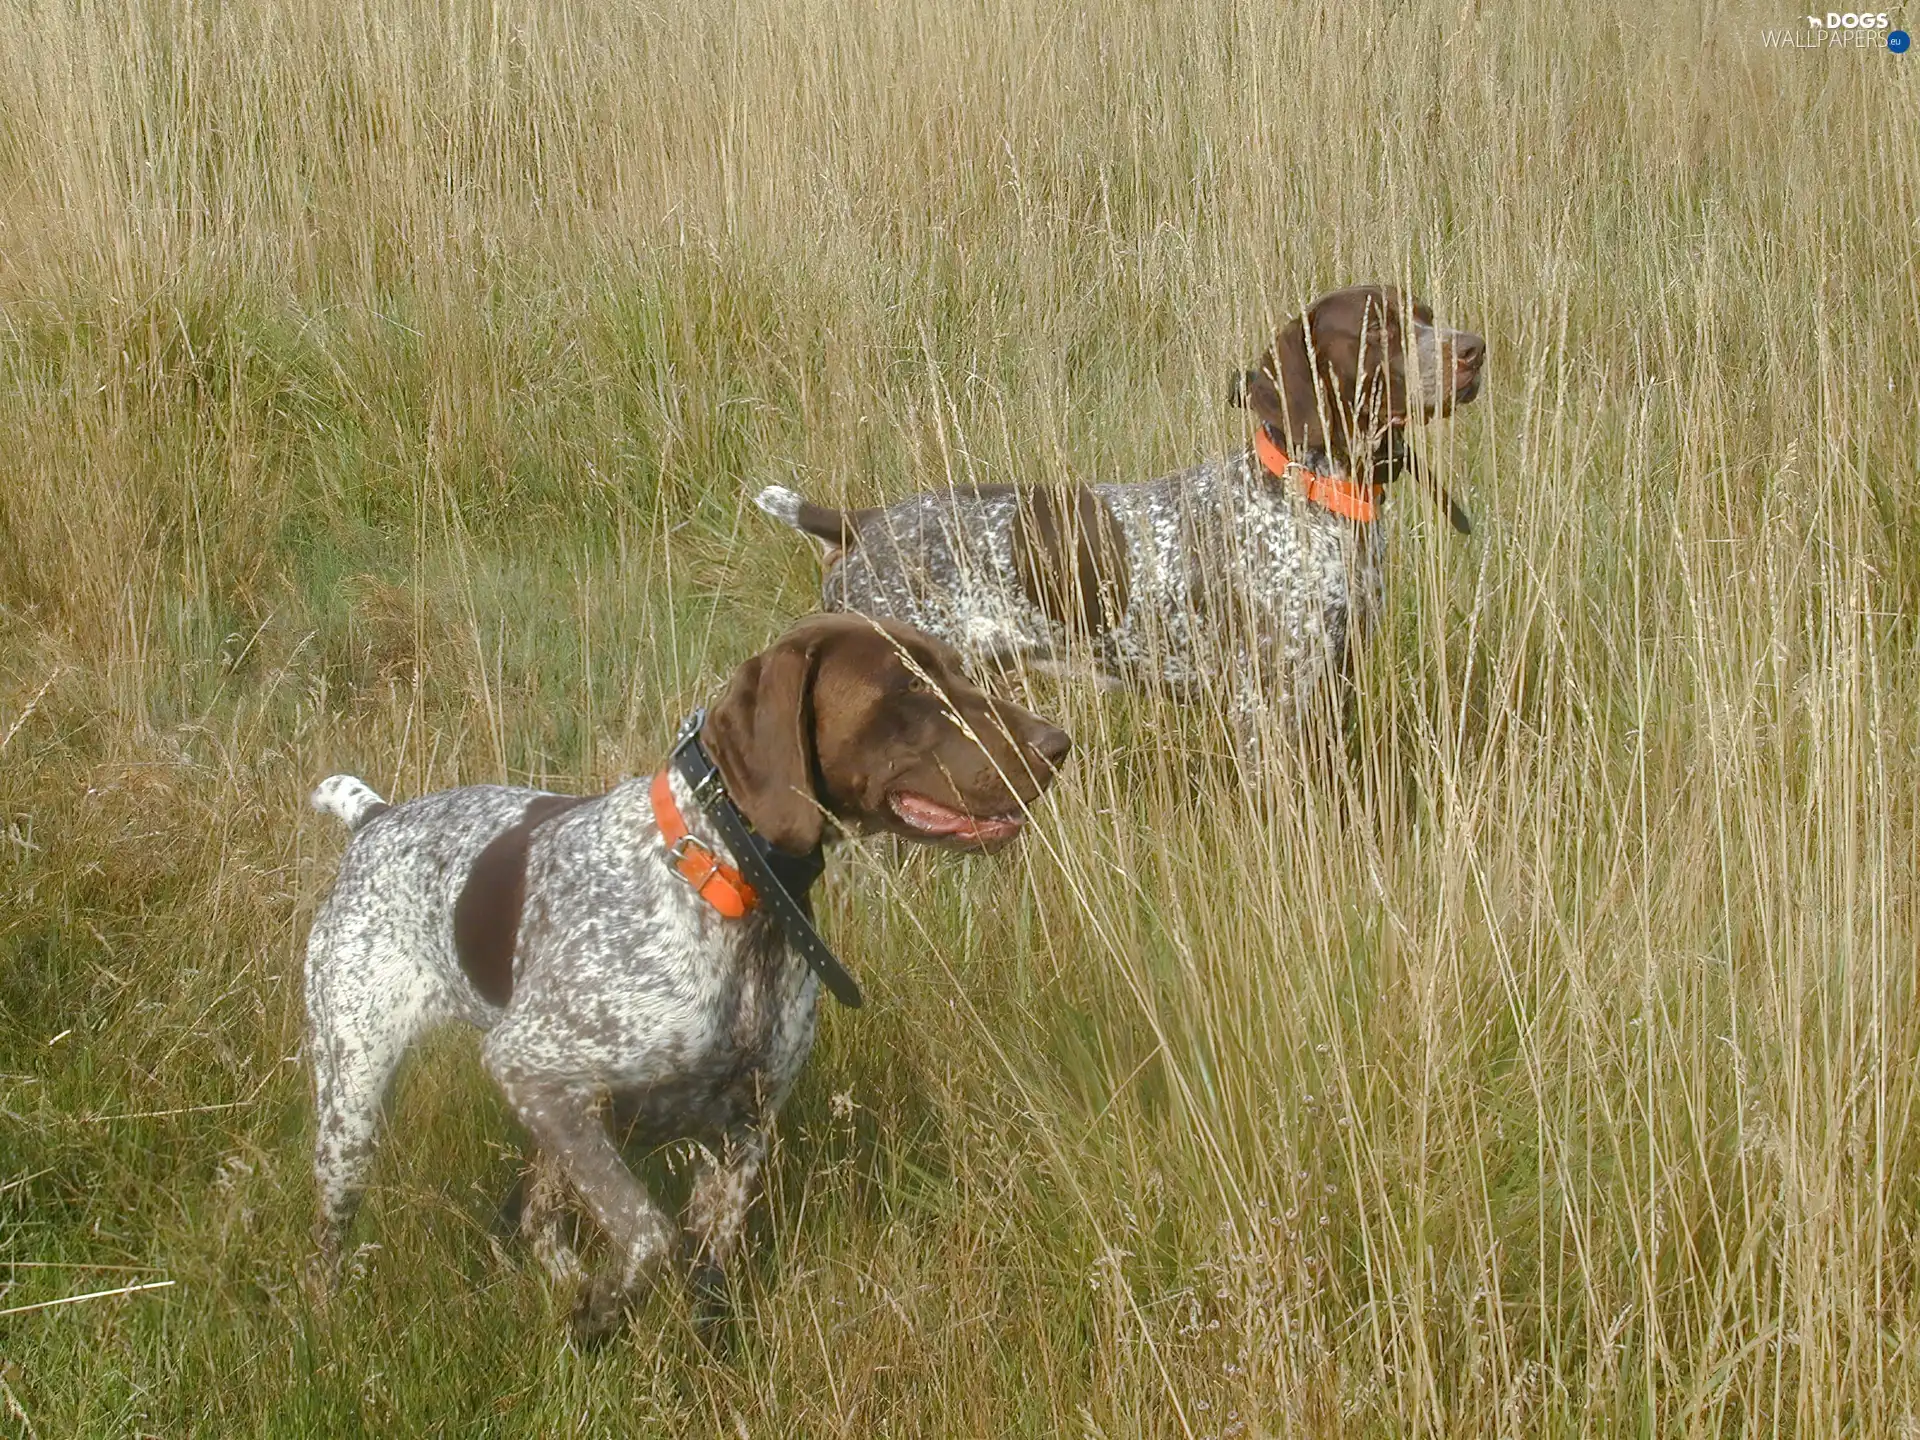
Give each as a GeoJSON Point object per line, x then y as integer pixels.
{"type": "Point", "coordinates": [381, 386]}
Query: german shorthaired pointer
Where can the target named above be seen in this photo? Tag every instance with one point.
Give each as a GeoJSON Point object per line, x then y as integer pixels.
{"type": "Point", "coordinates": [1256, 570]}
{"type": "Point", "coordinates": [612, 947]}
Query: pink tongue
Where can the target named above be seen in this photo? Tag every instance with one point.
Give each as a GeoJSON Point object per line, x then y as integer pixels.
{"type": "Point", "coordinates": [933, 818]}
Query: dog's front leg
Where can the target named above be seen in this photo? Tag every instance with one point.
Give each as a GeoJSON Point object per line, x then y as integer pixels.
{"type": "Point", "coordinates": [1259, 716]}
{"type": "Point", "coordinates": [566, 1123]}
{"type": "Point", "coordinates": [545, 1218]}
{"type": "Point", "coordinates": [723, 1192]}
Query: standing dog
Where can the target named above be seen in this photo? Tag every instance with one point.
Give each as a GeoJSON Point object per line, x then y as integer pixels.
{"type": "Point", "coordinates": [1257, 570]}
{"type": "Point", "coordinates": [622, 948]}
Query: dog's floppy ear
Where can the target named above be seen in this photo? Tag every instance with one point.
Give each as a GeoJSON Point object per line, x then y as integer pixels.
{"type": "Point", "coordinates": [1253, 390]}
{"type": "Point", "coordinates": [761, 737]}
{"type": "Point", "coordinates": [1280, 390]}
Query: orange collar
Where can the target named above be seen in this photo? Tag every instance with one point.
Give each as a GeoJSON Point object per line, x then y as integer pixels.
{"type": "Point", "coordinates": [1342, 496]}
{"type": "Point", "coordinates": [721, 886]}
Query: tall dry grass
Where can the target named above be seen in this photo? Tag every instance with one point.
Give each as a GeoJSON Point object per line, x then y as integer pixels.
{"type": "Point", "coordinates": [382, 389]}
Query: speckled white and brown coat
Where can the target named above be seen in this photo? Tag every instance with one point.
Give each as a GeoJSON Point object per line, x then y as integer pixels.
{"type": "Point", "coordinates": [1220, 573]}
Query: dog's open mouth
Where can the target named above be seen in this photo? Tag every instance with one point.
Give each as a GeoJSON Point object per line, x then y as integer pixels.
{"type": "Point", "coordinates": [940, 822]}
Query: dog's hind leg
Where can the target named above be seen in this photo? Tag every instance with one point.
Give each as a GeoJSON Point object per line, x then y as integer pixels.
{"type": "Point", "coordinates": [366, 1001]}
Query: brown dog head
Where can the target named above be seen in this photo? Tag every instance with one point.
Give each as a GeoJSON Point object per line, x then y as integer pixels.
{"type": "Point", "coordinates": [873, 725]}
{"type": "Point", "coordinates": [1361, 364]}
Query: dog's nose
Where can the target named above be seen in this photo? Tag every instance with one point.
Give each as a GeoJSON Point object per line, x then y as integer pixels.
{"type": "Point", "coordinates": [1468, 349]}
{"type": "Point", "coordinates": [1052, 745]}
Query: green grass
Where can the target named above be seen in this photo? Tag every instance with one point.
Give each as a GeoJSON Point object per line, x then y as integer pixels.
{"type": "Point", "coordinates": [381, 389]}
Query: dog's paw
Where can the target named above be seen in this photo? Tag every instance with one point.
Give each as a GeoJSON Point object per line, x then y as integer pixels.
{"type": "Point", "coordinates": [320, 1280]}
{"type": "Point", "coordinates": [320, 1276]}
{"type": "Point", "coordinates": [600, 1310]}
{"type": "Point", "coordinates": [510, 1214]}
{"type": "Point", "coordinates": [712, 1303]}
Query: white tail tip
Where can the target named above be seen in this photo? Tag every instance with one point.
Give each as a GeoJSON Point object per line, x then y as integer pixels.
{"type": "Point", "coordinates": [781, 503]}
{"type": "Point", "coordinates": [348, 798]}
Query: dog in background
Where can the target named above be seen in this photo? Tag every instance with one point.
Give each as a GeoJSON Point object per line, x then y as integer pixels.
{"type": "Point", "coordinates": [1257, 571]}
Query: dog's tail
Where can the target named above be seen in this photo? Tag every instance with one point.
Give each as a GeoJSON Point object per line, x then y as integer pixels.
{"type": "Point", "coordinates": [832, 528]}
{"type": "Point", "coordinates": [350, 798]}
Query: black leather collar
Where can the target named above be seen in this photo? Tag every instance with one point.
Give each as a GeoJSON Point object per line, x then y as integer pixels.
{"type": "Point", "coordinates": [781, 880]}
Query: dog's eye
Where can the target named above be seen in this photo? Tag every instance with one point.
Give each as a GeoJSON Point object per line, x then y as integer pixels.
{"type": "Point", "coordinates": [918, 685]}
